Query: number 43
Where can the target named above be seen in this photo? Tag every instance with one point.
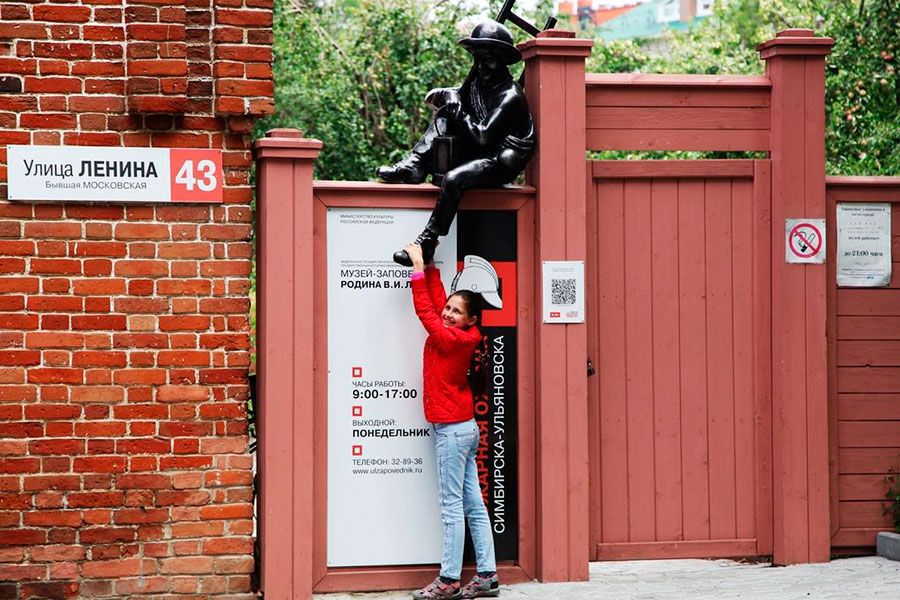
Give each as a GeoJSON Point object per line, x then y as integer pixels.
{"type": "Point", "coordinates": [187, 176]}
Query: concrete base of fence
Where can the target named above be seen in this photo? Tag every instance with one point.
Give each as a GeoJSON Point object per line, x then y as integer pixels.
{"type": "Point", "coordinates": [888, 545]}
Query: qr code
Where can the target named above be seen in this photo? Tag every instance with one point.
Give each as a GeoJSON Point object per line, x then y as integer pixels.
{"type": "Point", "coordinates": [562, 292]}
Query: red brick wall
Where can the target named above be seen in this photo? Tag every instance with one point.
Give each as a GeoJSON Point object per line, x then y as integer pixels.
{"type": "Point", "coordinates": [124, 329]}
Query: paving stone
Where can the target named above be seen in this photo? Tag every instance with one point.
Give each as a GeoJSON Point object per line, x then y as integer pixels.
{"type": "Point", "coordinates": [864, 578]}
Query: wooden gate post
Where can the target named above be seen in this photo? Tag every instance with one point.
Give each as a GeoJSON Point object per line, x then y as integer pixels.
{"type": "Point", "coordinates": [286, 361]}
{"type": "Point", "coordinates": [555, 85]}
{"type": "Point", "coordinates": [795, 63]}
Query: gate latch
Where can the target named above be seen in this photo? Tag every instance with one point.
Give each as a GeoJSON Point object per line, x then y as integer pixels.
{"type": "Point", "coordinates": [590, 368]}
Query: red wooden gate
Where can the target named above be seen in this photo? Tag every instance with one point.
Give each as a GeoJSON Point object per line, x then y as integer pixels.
{"type": "Point", "coordinates": [679, 328]}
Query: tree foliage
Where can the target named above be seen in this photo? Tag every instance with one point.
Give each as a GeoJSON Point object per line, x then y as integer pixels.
{"type": "Point", "coordinates": [353, 72]}
{"type": "Point", "coordinates": [862, 83]}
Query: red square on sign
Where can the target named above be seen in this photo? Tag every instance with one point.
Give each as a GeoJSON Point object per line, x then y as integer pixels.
{"type": "Point", "coordinates": [357, 372]}
{"type": "Point", "coordinates": [357, 450]}
{"type": "Point", "coordinates": [196, 175]}
{"type": "Point", "coordinates": [357, 411]}
{"type": "Point", "coordinates": [554, 315]}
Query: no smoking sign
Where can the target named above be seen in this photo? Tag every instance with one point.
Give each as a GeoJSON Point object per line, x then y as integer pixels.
{"type": "Point", "coordinates": [804, 241]}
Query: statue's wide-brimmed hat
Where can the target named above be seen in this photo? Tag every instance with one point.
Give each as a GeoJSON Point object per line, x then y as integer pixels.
{"type": "Point", "coordinates": [491, 35]}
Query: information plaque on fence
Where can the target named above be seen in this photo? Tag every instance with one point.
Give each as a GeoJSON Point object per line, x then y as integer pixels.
{"type": "Point", "coordinates": [383, 506]}
{"type": "Point", "coordinates": [863, 244]}
{"type": "Point", "coordinates": [114, 174]}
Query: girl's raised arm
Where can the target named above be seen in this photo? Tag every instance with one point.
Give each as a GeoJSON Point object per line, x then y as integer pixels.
{"type": "Point", "coordinates": [435, 288]}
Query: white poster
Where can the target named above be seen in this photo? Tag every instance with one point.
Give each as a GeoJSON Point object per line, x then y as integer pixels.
{"type": "Point", "coordinates": [863, 244]}
{"type": "Point", "coordinates": [563, 291]}
{"type": "Point", "coordinates": [383, 506]}
{"type": "Point", "coordinates": [113, 174]}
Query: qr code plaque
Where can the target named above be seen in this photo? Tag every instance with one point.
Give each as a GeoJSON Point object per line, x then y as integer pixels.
{"type": "Point", "coordinates": [562, 292]}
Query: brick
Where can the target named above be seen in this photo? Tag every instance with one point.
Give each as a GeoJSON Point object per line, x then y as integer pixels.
{"type": "Point", "coordinates": [43, 375]}
{"type": "Point", "coordinates": [54, 340]}
{"type": "Point", "coordinates": [53, 518]}
{"type": "Point", "coordinates": [140, 376]}
{"type": "Point", "coordinates": [150, 482]}
{"type": "Point", "coordinates": [226, 511]}
{"type": "Point", "coordinates": [57, 85]}
{"type": "Point", "coordinates": [62, 14]}
{"type": "Point", "coordinates": [50, 412]}
{"type": "Point", "coordinates": [19, 357]}
{"type": "Point", "coordinates": [143, 446]}
{"type": "Point", "coordinates": [184, 323]}
{"type": "Point", "coordinates": [182, 393]}
{"type": "Point", "coordinates": [99, 322]}
{"type": "Point", "coordinates": [226, 232]}
{"type": "Point", "coordinates": [95, 499]}
{"type": "Point", "coordinates": [187, 565]}
{"type": "Point", "coordinates": [56, 447]}
{"type": "Point", "coordinates": [22, 572]}
{"type": "Point", "coordinates": [12, 265]}
{"type": "Point", "coordinates": [244, 18]}
{"type": "Point", "coordinates": [22, 537]}
{"type": "Point", "coordinates": [127, 516]}
{"type": "Point", "coordinates": [51, 482]}
{"type": "Point", "coordinates": [142, 268]}
{"type": "Point", "coordinates": [56, 553]}
{"type": "Point", "coordinates": [118, 568]}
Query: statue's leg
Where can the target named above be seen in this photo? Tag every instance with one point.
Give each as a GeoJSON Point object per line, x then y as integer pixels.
{"type": "Point", "coordinates": [484, 172]}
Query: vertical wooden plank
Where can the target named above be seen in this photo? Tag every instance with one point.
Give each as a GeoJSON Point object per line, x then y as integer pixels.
{"type": "Point", "coordinates": [306, 321]}
{"type": "Point", "coordinates": [550, 387]}
{"type": "Point", "coordinates": [528, 316]}
{"type": "Point", "coordinates": [719, 358]}
{"type": "Point", "coordinates": [762, 353]}
{"type": "Point", "coordinates": [744, 388]}
{"type": "Point", "coordinates": [816, 319]}
{"type": "Point", "coordinates": [592, 299]}
{"type": "Point", "coordinates": [789, 332]}
{"type": "Point", "coordinates": [613, 406]}
{"type": "Point", "coordinates": [638, 357]}
{"type": "Point", "coordinates": [666, 357]}
{"type": "Point", "coordinates": [320, 393]}
{"type": "Point", "coordinates": [831, 335]}
{"type": "Point", "coordinates": [576, 333]}
{"type": "Point", "coordinates": [692, 326]}
{"type": "Point", "coordinates": [275, 372]}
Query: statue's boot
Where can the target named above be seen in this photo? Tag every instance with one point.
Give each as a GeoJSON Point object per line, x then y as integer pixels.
{"type": "Point", "coordinates": [407, 170]}
{"type": "Point", "coordinates": [428, 240]}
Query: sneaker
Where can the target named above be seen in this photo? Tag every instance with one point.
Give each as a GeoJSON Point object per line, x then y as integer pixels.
{"type": "Point", "coordinates": [482, 587]}
{"type": "Point", "coordinates": [438, 590]}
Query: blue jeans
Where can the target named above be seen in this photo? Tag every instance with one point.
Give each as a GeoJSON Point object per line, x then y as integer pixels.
{"type": "Point", "coordinates": [456, 445]}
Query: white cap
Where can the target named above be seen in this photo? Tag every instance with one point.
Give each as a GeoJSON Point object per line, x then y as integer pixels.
{"type": "Point", "coordinates": [479, 276]}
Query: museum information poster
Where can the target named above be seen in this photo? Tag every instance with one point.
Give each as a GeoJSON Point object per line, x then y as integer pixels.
{"type": "Point", "coordinates": [382, 484]}
{"type": "Point", "coordinates": [383, 505]}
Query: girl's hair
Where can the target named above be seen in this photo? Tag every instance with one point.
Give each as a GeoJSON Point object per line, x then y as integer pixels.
{"type": "Point", "coordinates": [478, 370]}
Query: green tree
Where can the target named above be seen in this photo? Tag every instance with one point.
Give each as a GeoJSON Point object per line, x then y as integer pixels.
{"type": "Point", "coordinates": [353, 73]}
{"type": "Point", "coordinates": [862, 84]}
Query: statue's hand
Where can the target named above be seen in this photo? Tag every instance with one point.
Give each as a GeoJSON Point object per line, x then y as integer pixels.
{"type": "Point", "coordinates": [452, 102]}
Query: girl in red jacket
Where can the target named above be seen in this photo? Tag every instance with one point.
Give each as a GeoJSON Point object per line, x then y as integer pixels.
{"type": "Point", "coordinates": [453, 336]}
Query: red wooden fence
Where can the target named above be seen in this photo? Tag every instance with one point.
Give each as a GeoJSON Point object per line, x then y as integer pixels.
{"type": "Point", "coordinates": [679, 326]}
{"type": "Point", "coordinates": [864, 353]}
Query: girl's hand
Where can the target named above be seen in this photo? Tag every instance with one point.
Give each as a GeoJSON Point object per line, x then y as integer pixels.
{"type": "Point", "coordinates": [415, 254]}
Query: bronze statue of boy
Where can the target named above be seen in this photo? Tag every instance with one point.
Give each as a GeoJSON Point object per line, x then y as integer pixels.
{"type": "Point", "coordinates": [494, 133]}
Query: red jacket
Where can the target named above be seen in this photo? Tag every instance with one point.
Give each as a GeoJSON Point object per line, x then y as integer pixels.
{"type": "Point", "coordinates": [447, 355]}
